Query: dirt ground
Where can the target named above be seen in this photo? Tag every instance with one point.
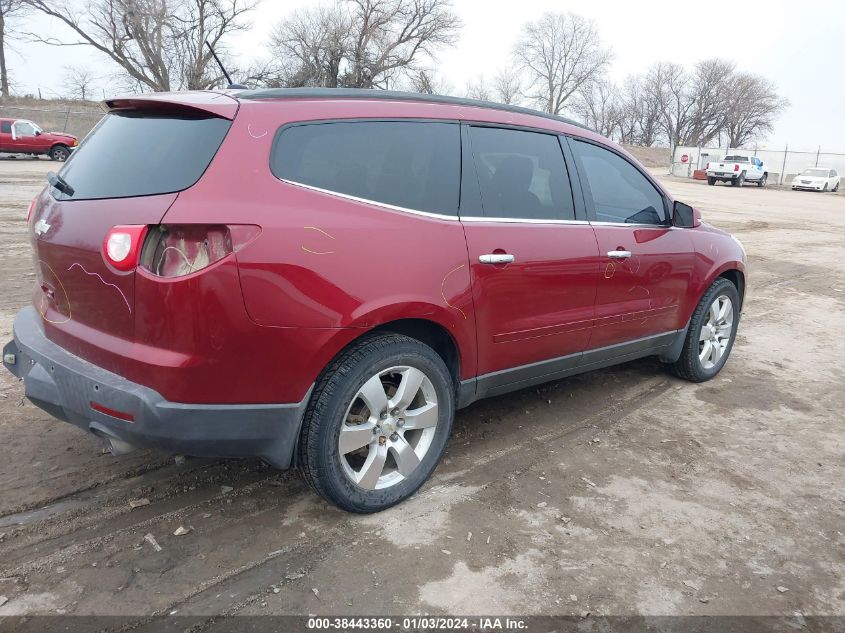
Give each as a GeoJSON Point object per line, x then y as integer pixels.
{"type": "Point", "coordinates": [623, 491]}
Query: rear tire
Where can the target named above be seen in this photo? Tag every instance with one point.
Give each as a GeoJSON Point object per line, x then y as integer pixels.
{"type": "Point", "coordinates": [835, 188]}
{"type": "Point", "coordinates": [711, 181]}
{"type": "Point", "coordinates": [711, 334]}
{"type": "Point", "coordinates": [362, 446]}
{"type": "Point", "coordinates": [59, 153]}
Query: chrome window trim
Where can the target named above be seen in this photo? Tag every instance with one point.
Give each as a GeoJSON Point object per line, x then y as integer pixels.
{"type": "Point", "coordinates": [520, 220]}
{"type": "Point", "coordinates": [443, 216]}
{"type": "Point", "coordinates": [383, 205]}
{"type": "Point", "coordinates": [635, 224]}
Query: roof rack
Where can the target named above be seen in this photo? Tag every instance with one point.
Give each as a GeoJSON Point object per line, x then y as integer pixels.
{"type": "Point", "coordinates": [393, 95]}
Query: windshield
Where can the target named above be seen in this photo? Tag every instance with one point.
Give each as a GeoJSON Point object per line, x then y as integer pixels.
{"type": "Point", "coordinates": [137, 153]}
{"type": "Point", "coordinates": [736, 159]}
{"type": "Point", "coordinates": [817, 173]}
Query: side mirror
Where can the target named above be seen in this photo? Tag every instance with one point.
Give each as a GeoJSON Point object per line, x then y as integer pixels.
{"type": "Point", "coordinates": [684, 216]}
{"type": "Point", "coordinates": [37, 133]}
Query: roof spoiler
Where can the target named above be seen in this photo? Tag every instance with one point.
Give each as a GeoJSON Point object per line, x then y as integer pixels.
{"type": "Point", "coordinates": [214, 103]}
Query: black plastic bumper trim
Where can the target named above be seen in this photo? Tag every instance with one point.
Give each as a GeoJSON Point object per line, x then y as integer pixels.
{"type": "Point", "coordinates": [64, 386]}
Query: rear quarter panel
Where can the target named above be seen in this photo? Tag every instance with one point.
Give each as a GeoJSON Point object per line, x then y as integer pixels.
{"type": "Point", "coordinates": [326, 263]}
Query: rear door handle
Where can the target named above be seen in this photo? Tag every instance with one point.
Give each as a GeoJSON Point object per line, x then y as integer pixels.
{"type": "Point", "coordinates": [619, 254]}
{"type": "Point", "coordinates": [496, 258]}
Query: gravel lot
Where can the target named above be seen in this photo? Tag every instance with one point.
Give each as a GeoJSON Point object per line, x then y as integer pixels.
{"type": "Point", "coordinates": [623, 491]}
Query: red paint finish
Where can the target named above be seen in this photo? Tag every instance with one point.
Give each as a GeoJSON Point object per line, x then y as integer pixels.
{"type": "Point", "coordinates": [31, 143]}
{"type": "Point", "coordinates": [312, 271]}
{"type": "Point", "coordinates": [84, 290]}
{"type": "Point", "coordinates": [541, 305]}
{"type": "Point", "coordinates": [647, 293]}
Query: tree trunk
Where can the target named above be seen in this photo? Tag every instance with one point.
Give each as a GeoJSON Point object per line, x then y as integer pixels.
{"type": "Point", "coordinates": [4, 77]}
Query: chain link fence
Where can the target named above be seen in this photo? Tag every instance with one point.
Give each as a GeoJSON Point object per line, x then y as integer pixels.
{"type": "Point", "coordinates": [73, 119]}
{"type": "Point", "coordinates": [782, 165]}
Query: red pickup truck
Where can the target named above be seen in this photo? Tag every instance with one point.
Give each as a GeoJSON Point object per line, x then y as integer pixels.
{"type": "Point", "coordinates": [18, 136]}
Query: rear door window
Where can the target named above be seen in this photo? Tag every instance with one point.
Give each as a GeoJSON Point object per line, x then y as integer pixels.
{"type": "Point", "coordinates": [521, 174]}
{"type": "Point", "coordinates": [619, 191]}
{"type": "Point", "coordinates": [6, 127]}
{"type": "Point", "coordinates": [409, 164]}
{"type": "Point", "coordinates": [137, 153]}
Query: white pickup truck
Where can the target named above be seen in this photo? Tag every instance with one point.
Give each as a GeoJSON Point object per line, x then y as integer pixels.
{"type": "Point", "coordinates": [738, 170]}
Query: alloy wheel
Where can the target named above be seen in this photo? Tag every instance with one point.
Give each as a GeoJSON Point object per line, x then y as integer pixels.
{"type": "Point", "coordinates": [388, 428]}
{"type": "Point", "coordinates": [715, 334]}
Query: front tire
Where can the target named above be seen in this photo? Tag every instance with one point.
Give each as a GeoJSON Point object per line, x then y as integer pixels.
{"type": "Point", "coordinates": [762, 181]}
{"type": "Point", "coordinates": [377, 424]}
{"type": "Point", "coordinates": [711, 334]}
{"type": "Point", "coordinates": [59, 153]}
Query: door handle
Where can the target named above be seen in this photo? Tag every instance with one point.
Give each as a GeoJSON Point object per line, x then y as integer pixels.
{"type": "Point", "coordinates": [619, 254]}
{"type": "Point", "coordinates": [496, 258]}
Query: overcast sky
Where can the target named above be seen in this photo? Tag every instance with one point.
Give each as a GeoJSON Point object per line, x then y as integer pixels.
{"type": "Point", "coordinates": [796, 44]}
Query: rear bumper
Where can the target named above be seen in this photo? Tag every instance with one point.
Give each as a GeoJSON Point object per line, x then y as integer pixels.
{"type": "Point", "coordinates": [65, 386]}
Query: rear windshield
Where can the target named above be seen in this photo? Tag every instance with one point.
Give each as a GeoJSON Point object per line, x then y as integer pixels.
{"type": "Point", "coordinates": [138, 153]}
{"type": "Point", "coordinates": [736, 159]}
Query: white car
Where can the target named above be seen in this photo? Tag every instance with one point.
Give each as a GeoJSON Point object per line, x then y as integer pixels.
{"type": "Point", "coordinates": [817, 179]}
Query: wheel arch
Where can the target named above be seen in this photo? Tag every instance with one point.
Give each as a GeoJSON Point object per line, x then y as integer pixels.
{"type": "Point", "coordinates": [732, 270]}
{"type": "Point", "coordinates": [737, 278]}
{"type": "Point", "coordinates": [430, 333]}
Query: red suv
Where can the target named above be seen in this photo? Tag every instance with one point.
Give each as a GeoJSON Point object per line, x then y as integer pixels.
{"type": "Point", "coordinates": [320, 278]}
{"type": "Point", "coordinates": [18, 136]}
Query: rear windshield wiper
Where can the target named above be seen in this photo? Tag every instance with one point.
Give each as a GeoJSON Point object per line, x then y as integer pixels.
{"type": "Point", "coordinates": [59, 183]}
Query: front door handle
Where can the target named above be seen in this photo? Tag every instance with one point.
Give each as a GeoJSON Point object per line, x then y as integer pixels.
{"type": "Point", "coordinates": [619, 254]}
{"type": "Point", "coordinates": [496, 258]}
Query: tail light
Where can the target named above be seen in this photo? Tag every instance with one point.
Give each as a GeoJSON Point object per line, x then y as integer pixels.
{"type": "Point", "coordinates": [736, 167]}
{"type": "Point", "coordinates": [30, 209]}
{"type": "Point", "coordinates": [122, 246]}
{"type": "Point", "coordinates": [177, 250]}
{"type": "Point", "coordinates": [707, 166]}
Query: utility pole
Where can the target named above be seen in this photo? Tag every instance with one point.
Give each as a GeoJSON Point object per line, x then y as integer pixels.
{"type": "Point", "coordinates": [818, 151]}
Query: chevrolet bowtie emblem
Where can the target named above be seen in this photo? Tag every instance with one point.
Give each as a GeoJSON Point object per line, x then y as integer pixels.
{"type": "Point", "coordinates": [41, 227]}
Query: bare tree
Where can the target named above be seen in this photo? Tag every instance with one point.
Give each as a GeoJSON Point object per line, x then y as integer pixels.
{"type": "Point", "coordinates": [426, 81]}
{"type": "Point", "coordinates": [159, 44]}
{"type": "Point", "coordinates": [753, 106]}
{"type": "Point", "coordinates": [80, 81]}
{"type": "Point", "coordinates": [710, 88]}
{"type": "Point", "coordinates": [478, 89]}
{"type": "Point", "coordinates": [640, 114]}
{"type": "Point", "coordinates": [598, 106]}
{"type": "Point", "coordinates": [559, 54]}
{"type": "Point", "coordinates": [10, 11]}
{"type": "Point", "coordinates": [361, 43]}
{"type": "Point", "coordinates": [311, 47]}
{"type": "Point", "coordinates": [693, 105]}
{"type": "Point", "coordinates": [507, 87]}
